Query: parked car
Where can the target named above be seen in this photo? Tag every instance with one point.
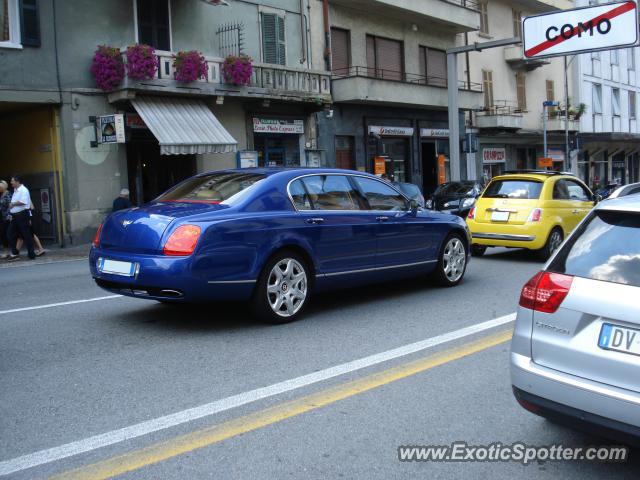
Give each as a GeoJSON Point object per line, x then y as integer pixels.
{"type": "Point", "coordinates": [455, 197]}
{"type": "Point", "coordinates": [411, 191]}
{"type": "Point", "coordinates": [607, 190]}
{"type": "Point", "coordinates": [274, 237]}
{"type": "Point", "coordinates": [574, 353]}
{"type": "Point", "coordinates": [529, 209]}
{"type": "Point", "coordinates": [631, 189]}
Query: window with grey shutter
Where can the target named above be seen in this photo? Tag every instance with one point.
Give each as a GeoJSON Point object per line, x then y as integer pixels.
{"type": "Point", "coordinates": [29, 23]}
{"type": "Point", "coordinates": [385, 58]}
{"type": "Point", "coordinates": [273, 39]}
{"type": "Point", "coordinates": [437, 67]}
{"type": "Point", "coordinates": [340, 51]}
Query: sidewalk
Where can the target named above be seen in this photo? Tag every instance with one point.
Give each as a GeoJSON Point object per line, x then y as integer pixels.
{"type": "Point", "coordinates": [54, 254]}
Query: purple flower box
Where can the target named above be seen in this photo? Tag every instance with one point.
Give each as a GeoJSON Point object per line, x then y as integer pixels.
{"type": "Point", "coordinates": [142, 63]}
{"type": "Point", "coordinates": [189, 66]}
{"type": "Point", "coordinates": [107, 67]}
{"type": "Point", "coordinates": [237, 70]}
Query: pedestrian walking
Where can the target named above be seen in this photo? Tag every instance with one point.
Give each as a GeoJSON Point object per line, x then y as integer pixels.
{"type": "Point", "coordinates": [20, 219]}
{"type": "Point", "coordinates": [5, 200]}
{"type": "Point", "coordinates": [36, 241]}
{"type": "Point", "coordinates": [122, 202]}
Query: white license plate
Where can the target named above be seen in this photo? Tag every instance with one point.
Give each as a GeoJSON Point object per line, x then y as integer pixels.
{"type": "Point", "coordinates": [500, 216]}
{"type": "Point", "coordinates": [620, 339]}
{"type": "Point", "coordinates": [115, 267]}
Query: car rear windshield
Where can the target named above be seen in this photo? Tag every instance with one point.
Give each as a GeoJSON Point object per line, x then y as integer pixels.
{"type": "Point", "coordinates": [455, 188]}
{"type": "Point", "coordinates": [221, 187]}
{"type": "Point", "coordinates": [521, 189]}
{"type": "Point", "coordinates": [607, 247]}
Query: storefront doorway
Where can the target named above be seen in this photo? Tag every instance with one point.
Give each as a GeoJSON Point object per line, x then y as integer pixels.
{"type": "Point", "coordinates": [277, 149]}
{"type": "Point", "coordinates": [151, 174]}
{"type": "Point", "coordinates": [396, 151]}
{"type": "Point", "coordinates": [431, 168]}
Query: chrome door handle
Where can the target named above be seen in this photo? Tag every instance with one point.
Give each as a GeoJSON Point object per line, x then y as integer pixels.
{"type": "Point", "coordinates": [382, 219]}
{"type": "Point", "coordinates": [315, 221]}
{"type": "Point", "coordinates": [575, 211]}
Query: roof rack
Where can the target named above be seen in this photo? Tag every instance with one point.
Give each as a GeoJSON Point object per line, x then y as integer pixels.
{"type": "Point", "coordinates": [537, 172]}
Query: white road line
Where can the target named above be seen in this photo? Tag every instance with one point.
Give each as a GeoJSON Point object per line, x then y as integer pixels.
{"type": "Point", "coordinates": [116, 436]}
{"type": "Point", "coordinates": [59, 304]}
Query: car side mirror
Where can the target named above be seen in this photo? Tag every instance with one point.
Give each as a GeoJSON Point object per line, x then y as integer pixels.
{"type": "Point", "coordinates": [597, 198]}
{"type": "Point", "coordinates": [413, 206]}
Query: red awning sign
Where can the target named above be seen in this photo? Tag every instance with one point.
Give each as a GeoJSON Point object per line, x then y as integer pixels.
{"type": "Point", "coordinates": [581, 29]}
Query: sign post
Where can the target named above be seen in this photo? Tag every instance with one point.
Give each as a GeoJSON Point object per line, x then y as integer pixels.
{"type": "Point", "coordinates": [545, 106]}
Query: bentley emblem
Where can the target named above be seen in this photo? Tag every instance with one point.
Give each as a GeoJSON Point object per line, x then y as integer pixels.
{"type": "Point", "coordinates": [126, 223]}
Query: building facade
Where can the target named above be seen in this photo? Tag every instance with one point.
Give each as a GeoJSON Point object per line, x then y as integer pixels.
{"type": "Point", "coordinates": [389, 84]}
{"type": "Point", "coordinates": [509, 120]}
{"type": "Point", "coordinates": [608, 84]}
{"type": "Point", "coordinates": [47, 93]}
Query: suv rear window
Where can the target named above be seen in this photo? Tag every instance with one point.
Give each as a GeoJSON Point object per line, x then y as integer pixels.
{"type": "Point", "coordinates": [606, 248]}
{"type": "Point", "coordinates": [214, 188]}
{"type": "Point", "coordinates": [521, 189]}
{"type": "Point", "coordinates": [455, 188]}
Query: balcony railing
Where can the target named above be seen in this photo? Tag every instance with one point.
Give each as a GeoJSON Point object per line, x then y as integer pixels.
{"type": "Point", "coordinates": [267, 80]}
{"type": "Point", "coordinates": [472, 4]}
{"type": "Point", "coordinates": [503, 114]}
{"type": "Point", "coordinates": [502, 108]}
{"type": "Point", "coordinates": [403, 77]}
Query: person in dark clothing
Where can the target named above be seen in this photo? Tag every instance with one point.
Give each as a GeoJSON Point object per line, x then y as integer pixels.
{"type": "Point", "coordinates": [5, 217]}
{"type": "Point", "coordinates": [122, 202]}
{"type": "Point", "coordinates": [20, 218]}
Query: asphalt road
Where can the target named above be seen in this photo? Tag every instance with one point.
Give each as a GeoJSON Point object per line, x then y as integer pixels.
{"type": "Point", "coordinates": [82, 383]}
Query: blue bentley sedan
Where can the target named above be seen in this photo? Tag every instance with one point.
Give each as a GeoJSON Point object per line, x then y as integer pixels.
{"type": "Point", "coordinates": [274, 237]}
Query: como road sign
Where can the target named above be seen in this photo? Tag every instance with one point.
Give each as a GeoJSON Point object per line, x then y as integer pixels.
{"type": "Point", "coordinates": [579, 30]}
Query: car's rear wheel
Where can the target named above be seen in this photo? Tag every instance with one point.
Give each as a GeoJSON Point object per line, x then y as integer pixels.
{"type": "Point", "coordinates": [452, 261]}
{"type": "Point", "coordinates": [553, 242]}
{"type": "Point", "coordinates": [478, 250]}
{"type": "Point", "coordinates": [282, 291]}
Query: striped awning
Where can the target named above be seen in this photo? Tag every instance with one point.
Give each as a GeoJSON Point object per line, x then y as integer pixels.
{"type": "Point", "coordinates": [184, 126]}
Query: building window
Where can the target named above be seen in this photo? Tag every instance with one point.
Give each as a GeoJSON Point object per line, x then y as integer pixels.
{"type": "Point", "coordinates": [9, 23]}
{"type": "Point", "coordinates": [550, 91]}
{"type": "Point", "coordinates": [484, 17]}
{"type": "Point", "coordinates": [596, 99]}
{"type": "Point", "coordinates": [521, 90]}
{"type": "Point", "coordinates": [632, 105]}
{"type": "Point", "coordinates": [517, 23]}
{"type": "Point", "coordinates": [595, 55]}
{"type": "Point", "coordinates": [154, 23]}
{"type": "Point", "coordinates": [615, 58]}
{"type": "Point", "coordinates": [487, 87]}
{"type": "Point", "coordinates": [433, 66]}
{"type": "Point", "coordinates": [615, 102]}
{"type": "Point", "coordinates": [385, 58]}
{"type": "Point", "coordinates": [273, 39]}
{"type": "Point", "coordinates": [340, 51]}
{"type": "Point", "coordinates": [631, 59]}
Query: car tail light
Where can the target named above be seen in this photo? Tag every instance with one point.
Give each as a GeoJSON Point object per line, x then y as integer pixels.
{"type": "Point", "coordinates": [96, 239]}
{"type": "Point", "coordinates": [182, 241]}
{"type": "Point", "coordinates": [535, 215]}
{"type": "Point", "coordinates": [545, 292]}
{"type": "Point", "coordinates": [472, 213]}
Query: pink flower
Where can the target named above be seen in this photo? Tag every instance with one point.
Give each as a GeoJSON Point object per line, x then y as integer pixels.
{"type": "Point", "coordinates": [142, 63]}
{"type": "Point", "coordinates": [189, 66]}
{"type": "Point", "coordinates": [237, 70]}
{"type": "Point", "coordinates": [107, 67]}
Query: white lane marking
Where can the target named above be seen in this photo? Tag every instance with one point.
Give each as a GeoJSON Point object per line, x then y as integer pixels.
{"type": "Point", "coordinates": [116, 436]}
{"type": "Point", "coordinates": [59, 304]}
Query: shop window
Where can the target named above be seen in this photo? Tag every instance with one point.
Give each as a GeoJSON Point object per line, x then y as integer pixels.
{"type": "Point", "coordinates": [433, 66]}
{"type": "Point", "coordinates": [344, 152]}
{"type": "Point", "coordinates": [154, 23]}
{"type": "Point", "coordinates": [385, 58]}
{"type": "Point", "coordinates": [340, 51]}
{"type": "Point", "coordinates": [274, 48]}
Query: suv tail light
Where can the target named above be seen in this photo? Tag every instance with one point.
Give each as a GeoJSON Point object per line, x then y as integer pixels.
{"type": "Point", "coordinates": [472, 213]}
{"type": "Point", "coordinates": [182, 242]}
{"type": "Point", "coordinates": [96, 239]}
{"type": "Point", "coordinates": [535, 215]}
{"type": "Point", "coordinates": [545, 292]}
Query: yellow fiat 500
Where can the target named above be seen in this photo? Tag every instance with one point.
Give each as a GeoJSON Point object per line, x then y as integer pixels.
{"type": "Point", "coordinates": [532, 209]}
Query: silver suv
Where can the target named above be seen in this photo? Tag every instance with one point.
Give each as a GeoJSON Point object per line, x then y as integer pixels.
{"type": "Point", "coordinates": [575, 353]}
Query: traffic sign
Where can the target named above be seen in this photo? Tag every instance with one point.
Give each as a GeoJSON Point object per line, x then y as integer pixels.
{"type": "Point", "coordinates": [550, 103]}
{"type": "Point", "coordinates": [565, 32]}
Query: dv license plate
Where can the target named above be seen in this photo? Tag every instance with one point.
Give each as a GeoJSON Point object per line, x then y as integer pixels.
{"type": "Point", "coordinates": [115, 267]}
{"type": "Point", "coordinates": [500, 216]}
{"type": "Point", "coordinates": [620, 339]}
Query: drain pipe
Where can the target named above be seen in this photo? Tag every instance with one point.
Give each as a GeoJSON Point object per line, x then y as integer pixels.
{"type": "Point", "coordinates": [303, 34]}
{"type": "Point", "coordinates": [327, 34]}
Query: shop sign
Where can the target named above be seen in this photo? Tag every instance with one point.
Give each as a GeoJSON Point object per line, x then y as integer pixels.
{"type": "Point", "coordinates": [545, 162]}
{"type": "Point", "coordinates": [267, 125]}
{"type": "Point", "coordinates": [618, 164]}
{"type": "Point", "coordinates": [494, 155]}
{"type": "Point", "coordinates": [247, 159]}
{"type": "Point", "coordinates": [391, 131]}
{"type": "Point", "coordinates": [380, 165]}
{"type": "Point", "coordinates": [111, 129]}
{"type": "Point", "coordinates": [557, 154]}
{"type": "Point", "coordinates": [434, 132]}
{"type": "Point", "coordinates": [133, 120]}
{"type": "Point", "coordinates": [442, 171]}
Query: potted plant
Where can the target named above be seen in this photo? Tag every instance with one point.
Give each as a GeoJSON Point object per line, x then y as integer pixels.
{"type": "Point", "coordinates": [142, 63]}
{"type": "Point", "coordinates": [189, 66]}
{"type": "Point", "coordinates": [107, 67]}
{"type": "Point", "coordinates": [582, 108]}
{"type": "Point", "coordinates": [237, 70]}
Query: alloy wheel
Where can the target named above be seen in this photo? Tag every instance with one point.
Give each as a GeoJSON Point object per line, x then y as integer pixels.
{"type": "Point", "coordinates": [454, 259]}
{"type": "Point", "coordinates": [554, 241]}
{"type": "Point", "coordinates": [287, 287]}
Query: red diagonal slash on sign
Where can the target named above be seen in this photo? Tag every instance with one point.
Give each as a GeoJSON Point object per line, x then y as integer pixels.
{"type": "Point", "coordinates": [619, 10]}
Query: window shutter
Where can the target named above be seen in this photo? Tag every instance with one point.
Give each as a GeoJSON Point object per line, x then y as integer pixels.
{"type": "Point", "coordinates": [521, 90]}
{"type": "Point", "coordinates": [389, 58]}
{"type": "Point", "coordinates": [371, 56]}
{"type": "Point", "coordinates": [282, 48]}
{"type": "Point", "coordinates": [340, 51]}
{"type": "Point", "coordinates": [269, 48]}
{"type": "Point", "coordinates": [437, 67]}
{"type": "Point", "coordinates": [423, 64]}
{"type": "Point", "coordinates": [29, 23]}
